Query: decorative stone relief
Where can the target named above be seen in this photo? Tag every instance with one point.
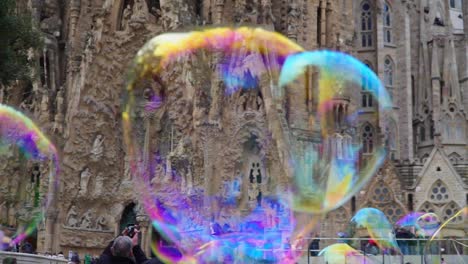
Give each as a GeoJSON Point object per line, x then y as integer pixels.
{"type": "Point", "coordinates": [84, 181]}
{"type": "Point", "coordinates": [97, 150]}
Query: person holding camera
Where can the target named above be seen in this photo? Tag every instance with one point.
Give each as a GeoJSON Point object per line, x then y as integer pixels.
{"type": "Point", "coordinates": [124, 249]}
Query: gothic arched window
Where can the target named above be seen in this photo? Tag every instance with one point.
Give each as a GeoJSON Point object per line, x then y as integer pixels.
{"type": "Point", "coordinates": [439, 192]}
{"type": "Point", "coordinates": [381, 193]}
{"type": "Point", "coordinates": [451, 209]}
{"type": "Point", "coordinates": [367, 139]}
{"type": "Point", "coordinates": [387, 17]}
{"type": "Point", "coordinates": [388, 70]}
{"type": "Point", "coordinates": [427, 208]}
{"type": "Point", "coordinates": [366, 24]}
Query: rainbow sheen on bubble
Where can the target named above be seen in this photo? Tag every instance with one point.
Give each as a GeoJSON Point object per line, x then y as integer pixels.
{"type": "Point", "coordinates": [329, 173]}
{"type": "Point", "coordinates": [340, 253]}
{"type": "Point", "coordinates": [235, 191]}
{"type": "Point", "coordinates": [23, 145]}
{"type": "Point", "coordinates": [230, 64]}
{"type": "Point", "coordinates": [378, 228]}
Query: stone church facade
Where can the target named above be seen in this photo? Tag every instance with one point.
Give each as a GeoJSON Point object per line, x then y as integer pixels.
{"type": "Point", "coordinates": [419, 49]}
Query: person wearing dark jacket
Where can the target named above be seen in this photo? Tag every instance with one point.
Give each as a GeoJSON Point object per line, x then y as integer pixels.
{"type": "Point", "coordinates": [123, 250]}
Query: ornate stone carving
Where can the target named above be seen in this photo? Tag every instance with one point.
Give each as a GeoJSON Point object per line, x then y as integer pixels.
{"type": "Point", "coordinates": [127, 14]}
{"type": "Point", "coordinates": [84, 181]}
{"type": "Point", "coordinates": [267, 16]}
{"type": "Point", "coordinates": [102, 223]}
{"type": "Point", "coordinates": [293, 20]}
{"type": "Point", "coordinates": [97, 150]}
{"type": "Point", "coordinates": [72, 217]}
{"type": "Point", "coordinates": [59, 116]}
{"type": "Point", "coordinates": [86, 220]}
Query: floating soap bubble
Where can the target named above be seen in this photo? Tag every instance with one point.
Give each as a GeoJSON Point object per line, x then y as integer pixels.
{"type": "Point", "coordinates": [448, 241]}
{"type": "Point", "coordinates": [329, 172]}
{"type": "Point", "coordinates": [427, 224]}
{"type": "Point", "coordinates": [340, 253]}
{"type": "Point", "coordinates": [28, 177]}
{"type": "Point", "coordinates": [378, 227]}
{"type": "Point", "coordinates": [203, 180]}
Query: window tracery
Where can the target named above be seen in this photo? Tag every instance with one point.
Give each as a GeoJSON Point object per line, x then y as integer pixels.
{"type": "Point", "coordinates": [368, 139]}
{"type": "Point", "coordinates": [439, 192]}
{"type": "Point", "coordinates": [387, 17]}
{"type": "Point", "coordinates": [450, 210]}
{"type": "Point", "coordinates": [366, 24]}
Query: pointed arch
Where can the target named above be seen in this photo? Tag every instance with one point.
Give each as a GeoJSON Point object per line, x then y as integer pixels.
{"type": "Point", "coordinates": [366, 24]}
{"type": "Point", "coordinates": [381, 193]}
{"type": "Point", "coordinates": [454, 158]}
{"type": "Point", "coordinates": [389, 69]}
{"type": "Point", "coordinates": [439, 192]}
{"type": "Point", "coordinates": [427, 207]}
{"type": "Point", "coordinates": [367, 138]}
{"type": "Point", "coordinates": [451, 209]}
{"type": "Point", "coordinates": [387, 22]}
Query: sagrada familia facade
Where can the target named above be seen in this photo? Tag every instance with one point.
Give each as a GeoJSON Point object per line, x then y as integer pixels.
{"type": "Point", "coordinates": [419, 49]}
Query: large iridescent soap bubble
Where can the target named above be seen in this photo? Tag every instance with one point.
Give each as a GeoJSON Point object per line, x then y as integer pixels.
{"type": "Point", "coordinates": [180, 90]}
{"type": "Point", "coordinates": [28, 177]}
{"type": "Point", "coordinates": [327, 173]}
{"type": "Point", "coordinates": [448, 241]}
{"type": "Point", "coordinates": [378, 227]}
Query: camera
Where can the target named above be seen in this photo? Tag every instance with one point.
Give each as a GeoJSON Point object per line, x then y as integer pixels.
{"type": "Point", "coordinates": [132, 229]}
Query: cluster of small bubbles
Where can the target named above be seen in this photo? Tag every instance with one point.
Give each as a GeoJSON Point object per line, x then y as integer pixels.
{"type": "Point", "coordinates": [24, 146]}
{"type": "Point", "coordinates": [180, 90]}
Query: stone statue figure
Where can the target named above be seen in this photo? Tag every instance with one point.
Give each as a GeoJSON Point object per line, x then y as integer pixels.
{"type": "Point", "coordinates": [101, 223]}
{"type": "Point", "coordinates": [59, 101]}
{"type": "Point", "coordinates": [140, 11]}
{"type": "Point", "coordinates": [84, 180]}
{"type": "Point", "coordinates": [45, 101]}
{"type": "Point", "coordinates": [127, 171]}
{"type": "Point", "coordinates": [97, 34]}
{"type": "Point", "coordinates": [293, 20]}
{"type": "Point", "coordinates": [72, 217]}
{"type": "Point", "coordinates": [98, 148]}
{"type": "Point", "coordinates": [253, 194]}
{"type": "Point", "coordinates": [127, 13]}
{"type": "Point", "coordinates": [86, 219]}
{"type": "Point", "coordinates": [98, 184]}
{"type": "Point", "coordinates": [267, 13]}
{"type": "Point", "coordinates": [259, 103]}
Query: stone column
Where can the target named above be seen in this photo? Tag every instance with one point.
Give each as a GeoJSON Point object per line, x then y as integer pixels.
{"type": "Point", "coordinates": [406, 110]}
{"type": "Point", "coordinates": [322, 24]}
{"type": "Point", "coordinates": [435, 83]}
{"type": "Point", "coordinates": [145, 231]}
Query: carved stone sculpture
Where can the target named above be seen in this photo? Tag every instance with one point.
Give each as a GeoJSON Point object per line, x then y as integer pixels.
{"type": "Point", "coordinates": [86, 220]}
{"type": "Point", "coordinates": [72, 217]}
{"type": "Point", "coordinates": [59, 116]}
{"type": "Point", "coordinates": [102, 224]}
{"type": "Point", "coordinates": [99, 184]}
{"type": "Point", "coordinates": [267, 13]}
{"type": "Point", "coordinates": [127, 13]}
{"type": "Point", "coordinates": [98, 148]}
{"type": "Point", "coordinates": [97, 33]}
{"type": "Point", "coordinates": [293, 18]}
{"type": "Point", "coordinates": [139, 13]}
{"type": "Point", "coordinates": [84, 180]}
